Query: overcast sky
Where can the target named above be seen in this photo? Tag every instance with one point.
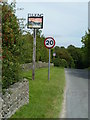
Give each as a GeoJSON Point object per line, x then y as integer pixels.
{"type": "Point", "coordinates": [65, 21]}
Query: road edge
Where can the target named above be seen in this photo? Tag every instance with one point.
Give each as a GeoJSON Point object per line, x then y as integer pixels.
{"type": "Point", "coordinates": [63, 111]}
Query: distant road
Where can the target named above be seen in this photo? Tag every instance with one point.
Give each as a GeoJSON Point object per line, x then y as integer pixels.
{"type": "Point", "coordinates": [76, 93]}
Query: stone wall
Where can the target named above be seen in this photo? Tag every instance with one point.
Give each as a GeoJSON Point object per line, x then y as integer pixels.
{"type": "Point", "coordinates": [28, 66]}
{"type": "Point", "coordinates": [15, 97]}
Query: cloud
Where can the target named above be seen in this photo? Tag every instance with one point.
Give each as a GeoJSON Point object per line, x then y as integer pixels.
{"type": "Point", "coordinates": [66, 20]}
{"type": "Point", "coordinates": [68, 41]}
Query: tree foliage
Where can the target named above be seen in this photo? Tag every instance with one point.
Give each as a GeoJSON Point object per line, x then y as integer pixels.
{"type": "Point", "coordinates": [10, 46]}
{"type": "Point", "coordinates": [86, 48]}
{"type": "Point", "coordinates": [63, 55]}
{"type": "Point", "coordinates": [77, 55]}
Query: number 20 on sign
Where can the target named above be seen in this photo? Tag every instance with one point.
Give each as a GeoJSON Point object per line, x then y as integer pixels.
{"type": "Point", "coordinates": [49, 43]}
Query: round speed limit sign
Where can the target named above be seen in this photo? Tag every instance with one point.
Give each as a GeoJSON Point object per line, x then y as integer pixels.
{"type": "Point", "coordinates": [49, 42]}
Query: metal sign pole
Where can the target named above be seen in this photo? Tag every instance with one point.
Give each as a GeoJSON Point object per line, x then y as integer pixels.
{"type": "Point", "coordinates": [49, 66]}
{"type": "Point", "coordinates": [34, 54]}
{"type": "Point", "coordinates": [49, 42]}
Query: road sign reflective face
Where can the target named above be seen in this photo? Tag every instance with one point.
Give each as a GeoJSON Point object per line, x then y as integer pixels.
{"type": "Point", "coordinates": [54, 54]}
{"type": "Point", "coordinates": [49, 42]}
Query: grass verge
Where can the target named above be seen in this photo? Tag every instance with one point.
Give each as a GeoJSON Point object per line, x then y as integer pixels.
{"type": "Point", "coordinates": [45, 97]}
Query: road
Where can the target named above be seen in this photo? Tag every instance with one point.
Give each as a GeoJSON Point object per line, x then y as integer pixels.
{"type": "Point", "coordinates": [76, 93]}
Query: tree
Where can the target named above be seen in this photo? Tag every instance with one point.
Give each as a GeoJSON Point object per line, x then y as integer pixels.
{"type": "Point", "coordinates": [77, 56]}
{"type": "Point", "coordinates": [41, 51]}
{"type": "Point", "coordinates": [26, 48]}
{"type": "Point", "coordinates": [62, 53]}
{"type": "Point", "coordinates": [86, 47]}
{"type": "Point", "coordinates": [10, 46]}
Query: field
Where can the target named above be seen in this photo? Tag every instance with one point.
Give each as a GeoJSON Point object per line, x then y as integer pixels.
{"type": "Point", "coordinates": [45, 96]}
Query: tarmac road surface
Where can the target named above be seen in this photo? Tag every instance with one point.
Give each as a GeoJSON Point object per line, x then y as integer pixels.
{"type": "Point", "coordinates": [76, 93]}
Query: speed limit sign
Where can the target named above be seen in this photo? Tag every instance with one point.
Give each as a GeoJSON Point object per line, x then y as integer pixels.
{"type": "Point", "coordinates": [49, 42]}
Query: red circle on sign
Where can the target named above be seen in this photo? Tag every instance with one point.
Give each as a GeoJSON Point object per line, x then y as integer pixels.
{"type": "Point", "coordinates": [47, 39]}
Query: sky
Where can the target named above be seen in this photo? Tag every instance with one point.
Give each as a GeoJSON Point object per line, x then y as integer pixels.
{"type": "Point", "coordinates": [66, 22]}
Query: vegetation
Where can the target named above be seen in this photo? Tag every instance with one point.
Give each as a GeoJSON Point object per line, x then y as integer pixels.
{"type": "Point", "coordinates": [17, 48]}
{"type": "Point", "coordinates": [26, 48]}
{"type": "Point", "coordinates": [10, 46]}
{"type": "Point", "coordinates": [77, 56]}
{"type": "Point", "coordinates": [45, 96]}
{"type": "Point", "coordinates": [63, 57]}
{"type": "Point", "coordinates": [86, 48]}
{"type": "Point", "coordinates": [74, 57]}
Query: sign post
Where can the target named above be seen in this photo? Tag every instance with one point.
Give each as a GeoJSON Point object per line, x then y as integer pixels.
{"type": "Point", "coordinates": [34, 54]}
{"type": "Point", "coordinates": [49, 43]}
{"type": "Point", "coordinates": [35, 21]}
{"type": "Point", "coordinates": [49, 65]}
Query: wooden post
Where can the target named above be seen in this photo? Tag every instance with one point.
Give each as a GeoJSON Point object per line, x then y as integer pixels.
{"type": "Point", "coordinates": [34, 54]}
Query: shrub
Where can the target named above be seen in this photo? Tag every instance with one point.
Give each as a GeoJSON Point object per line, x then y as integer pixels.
{"type": "Point", "coordinates": [56, 62]}
{"type": "Point", "coordinates": [10, 31]}
{"type": "Point", "coordinates": [60, 62]}
{"type": "Point", "coordinates": [10, 70]}
{"type": "Point", "coordinates": [63, 63]}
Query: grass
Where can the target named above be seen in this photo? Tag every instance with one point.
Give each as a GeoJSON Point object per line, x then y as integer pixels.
{"type": "Point", "coordinates": [45, 97]}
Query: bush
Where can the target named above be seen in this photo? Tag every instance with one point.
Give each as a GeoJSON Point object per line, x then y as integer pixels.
{"type": "Point", "coordinates": [10, 46]}
{"type": "Point", "coordinates": [10, 70]}
{"type": "Point", "coordinates": [63, 63]}
{"type": "Point", "coordinates": [60, 62]}
{"type": "Point", "coordinates": [56, 62]}
{"type": "Point", "coordinates": [71, 63]}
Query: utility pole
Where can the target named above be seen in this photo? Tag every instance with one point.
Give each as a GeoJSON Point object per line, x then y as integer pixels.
{"type": "Point", "coordinates": [34, 54]}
